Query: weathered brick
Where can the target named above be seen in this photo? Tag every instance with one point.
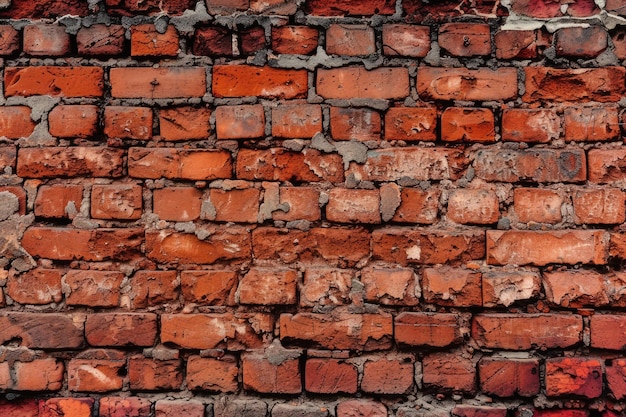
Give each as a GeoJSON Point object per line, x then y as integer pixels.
{"type": "Point", "coordinates": [37, 286]}
{"type": "Point", "coordinates": [58, 201]}
{"type": "Point", "coordinates": [213, 41]}
{"type": "Point", "coordinates": [579, 42]}
{"type": "Point", "coordinates": [294, 39]}
{"type": "Point", "coordinates": [542, 248]}
{"type": "Point", "coordinates": [73, 121]}
{"type": "Point", "coordinates": [174, 408]}
{"type": "Point", "coordinates": [9, 40]}
{"type": "Point", "coordinates": [606, 165]}
{"type": "Point", "coordinates": [602, 206]}
{"type": "Point", "coordinates": [427, 329]}
{"type": "Point", "coordinates": [406, 40]}
{"type": "Point", "coordinates": [326, 286]}
{"type": "Point", "coordinates": [121, 329]}
{"type": "Point", "coordinates": [578, 376]}
{"type": "Point", "coordinates": [539, 165]}
{"type": "Point", "coordinates": [505, 288]}
{"type": "Point", "coordinates": [101, 40]}
{"type": "Point", "coordinates": [608, 331]}
{"type": "Point", "coordinates": [452, 286]}
{"type": "Point", "coordinates": [42, 330]}
{"type": "Point", "coordinates": [591, 124]}
{"type": "Point", "coordinates": [467, 125]}
{"type": "Point", "coordinates": [357, 82]}
{"type": "Point", "coordinates": [93, 288]}
{"type": "Point", "coordinates": [265, 374]}
{"type": "Point", "coordinates": [354, 123]}
{"type": "Point", "coordinates": [537, 205]}
{"type": "Point", "coordinates": [411, 123]}
{"type": "Point", "coordinates": [54, 81]}
{"type": "Point", "coordinates": [116, 201]}
{"type": "Point", "coordinates": [266, 82]}
{"type": "Point", "coordinates": [151, 288]}
{"type": "Point", "coordinates": [361, 407]}
{"type": "Point", "coordinates": [417, 206]}
{"type": "Point", "coordinates": [226, 407]}
{"type": "Point", "coordinates": [96, 371]}
{"type": "Point", "coordinates": [235, 205]}
{"type": "Point", "coordinates": [210, 374]}
{"type": "Point", "coordinates": [338, 331]}
{"type": "Point", "coordinates": [350, 40]}
{"type": "Point", "coordinates": [66, 407]}
{"type": "Point", "coordinates": [268, 286]}
{"type": "Point", "coordinates": [350, 8]}
{"type": "Point", "coordinates": [465, 39]}
{"type": "Point", "coordinates": [296, 121]}
{"type": "Point", "coordinates": [575, 288]}
{"type": "Point", "coordinates": [8, 157]}
{"type": "Point", "coordinates": [147, 374]}
{"type": "Point", "coordinates": [505, 377]}
{"type": "Point", "coordinates": [466, 84]}
{"type": "Point", "coordinates": [303, 203]}
{"type": "Point", "coordinates": [70, 162]}
{"type": "Point", "coordinates": [604, 84]}
{"type": "Point", "coordinates": [548, 10]}
{"type": "Point", "coordinates": [526, 331]}
{"type": "Point", "coordinates": [15, 122]}
{"type": "Point", "coordinates": [145, 40]}
{"type": "Point", "coordinates": [390, 286]}
{"type": "Point", "coordinates": [353, 206]}
{"type": "Point", "coordinates": [330, 376]}
{"type": "Point", "coordinates": [44, 374]}
{"type": "Point", "coordinates": [252, 39]}
{"type": "Point", "coordinates": [240, 122]}
{"type": "Point", "coordinates": [470, 206]}
{"type": "Point", "coordinates": [516, 44]}
{"type": "Point", "coordinates": [20, 408]}
{"type": "Point", "coordinates": [184, 123]}
{"type": "Point", "coordinates": [530, 125]}
{"type": "Point", "coordinates": [155, 83]}
{"type": "Point", "coordinates": [191, 164]}
{"type": "Point", "coordinates": [149, 7]}
{"type": "Point", "coordinates": [128, 122]}
{"type": "Point", "coordinates": [46, 40]}
{"type": "Point", "coordinates": [125, 406]}
{"type": "Point", "coordinates": [180, 204]}
{"type": "Point", "coordinates": [388, 375]}
{"type": "Point", "coordinates": [211, 287]}
{"type": "Point", "coordinates": [449, 372]}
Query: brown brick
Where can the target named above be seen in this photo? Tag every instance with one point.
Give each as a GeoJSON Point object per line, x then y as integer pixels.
{"type": "Point", "coordinates": [579, 42]}
{"type": "Point", "coordinates": [174, 408]}
{"type": "Point", "coordinates": [213, 41]}
{"type": "Point", "coordinates": [449, 372]}
{"type": "Point", "coordinates": [350, 8]}
{"type": "Point", "coordinates": [9, 40]}
{"type": "Point", "coordinates": [252, 39]}
{"type": "Point", "coordinates": [42, 330]}
{"type": "Point", "coordinates": [147, 374]}
{"type": "Point", "coordinates": [516, 44]}
{"type": "Point", "coordinates": [101, 40]}
{"type": "Point", "coordinates": [46, 40]}
{"type": "Point", "coordinates": [134, 406]}
{"type": "Point", "coordinates": [509, 377]}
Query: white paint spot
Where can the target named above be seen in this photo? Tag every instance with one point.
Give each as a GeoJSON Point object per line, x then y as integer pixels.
{"type": "Point", "coordinates": [414, 252]}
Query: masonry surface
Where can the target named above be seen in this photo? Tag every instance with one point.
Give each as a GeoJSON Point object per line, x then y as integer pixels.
{"type": "Point", "coordinates": [288, 208]}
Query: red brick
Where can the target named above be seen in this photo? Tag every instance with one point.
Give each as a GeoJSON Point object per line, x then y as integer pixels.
{"type": "Point", "coordinates": [466, 84]}
{"type": "Point", "coordinates": [326, 286]}
{"type": "Point", "coordinates": [516, 44]}
{"type": "Point", "coordinates": [66, 162]}
{"type": "Point", "coordinates": [8, 157]}
{"type": "Point", "coordinates": [354, 123]}
{"type": "Point", "coordinates": [24, 9]}
{"type": "Point", "coordinates": [38, 375]}
{"type": "Point", "coordinates": [427, 329]}
{"type": "Point", "coordinates": [579, 42]}
{"type": "Point", "coordinates": [20, 408]}
{"type": "Point", "coordinates": [296, 121]}
{"type": "Point", "coordinates": [604, 84]}
{"type": "Point", "coordinates": [537, 205]}
{"type": "Point", "coordinates": [505, 288]}
{"type": "Point", "coordinates": [265, 82]}
{"type": "Point", "coordinates": [575, 288]}
{"type": "Point", "coordinates": [330, 376]}
{"type": "Point", "coordinates": [148, 374]}
{"type": "Point", "coordinates": [215, 375]}
{"type": "Point", "coordinates": [180, 204]}
{"type": "Point", "coordinates": [175, 408]}
{"type": "Point", "coordinates": [607, 165]}
{"type": "Point", "coordinates": [300, 40]}
{"type": "Point", "coordinates": [415, 163]}
{"type": "Point", "coordinates": [608, 331]}
{"type": "Point", "coordinates": [116, 201]}
{"type": "Point", "coordinates": [358, 82]}
{"type": "Point", "coordinates": [148, 7]}
{"type": "Point", "coordinates": [452, 287]}
{"type": "Point", "coordinates": [125, 407]}
{"type": "Point", "coordinates": [128, 122]}
{"type": "Point", "coordinates": [121, 329]}
{"type": "Point", "coordinates": [411, 123]}
{"type": "Point", "coordinates": [37, 286]}
{"type": "Point", "coordinates": [267, 375]}
{"type": "Point", "coordinates": [619, 42]}
{"type": "Point", "coordinates": [213, 41]}
{"type": "Point", "coordinates": [101, 40]}
{"type": "Point", "coordinates": [145, 40]}
{"type": "Point", "coordinates": [46, 40]}
{"type": "Point", "coordinates": [548, 10]}
{"type": "Point", "coordinates": [96, 374]}
{"type": "Point", "coordinates": [151, 288]}
{"type": "Point", "coordinates": [66, 407]}
{"type": "Point", "coordinates": [473, 206]}
{"type": "Point", "coordinates": [9, 40]}
{"type": "Point", "coordinates": [465, 39]}
{"type": "Point", "coordinates": [467, 125]}
{"type": "Point", "coordinates": [58, 201]}
{"type": "Point", "coordinates": [406, 40]}
{"type": "Point", "coordinates": [208, 331]}
{"type": "Point", "coordinates": [603, 206]}
{"type": "Point", "coordinates": [240, 206]}
{"type": "Point", "coordinates": [277, 164]}
{"type": "Point", "coordinates": [184, 123]}
{"type": "Point", "coordinates": [350, 40]}
{"type": "Point", "coordinates": [54, 81]}
{"type": "Point", "coordinates": [155, 83]}
{"type": "Point", "coordinates": [417, 206]}
{"type": "Point", "coordinates": [505, 377]}
{"type": "Point", "coordinates": [538, 165]}
{"type": "Point", "coordinates": [591, 124]}
{"type": "Point", "coordinates": [190, 164]}
{"type": "Point", "coordinates": [616, 377]}
{"type": "Point", "coordinates": [350, 8]}
{"type": "Point", "coordinates": [223, 244]}
{"type": "Point", "coordinates": [526, 331]}
{"type": "Point", "coordinates": [542, 248]}
{"type": "Point", "coordinates": [336, 246]}
{"type": "Point", "coordinates": [93, 288]}
{"type": "Point", "coordinates": [577, 376]}
{"type": "Point", "coordinates": [42, 330]}
{"type": "Point", "coordinates": [361, 408]}
{"type": "Point", "coordinates": [268, 286]}
{"type": "Point", "coordinates": [89, 245]}
{"type": "Point", "coordinates": [252, 40]}
{"type": "Point", "coordinates": [530, 125]}
{"type": "Point", "coordinates": [73, 121]}
{"type": "Point", "coordinates": [390, 286]}
{"type": "Point", "coordinates": [405, 245]}
{"type": "Point", "coordinates": [388, 375]}
{"type": "Point", "coordinates": [353, 206]}
{"type": "Point", "coordinates": [303, 204]}
{"type": "Point", "coordinates": [449, 372]}
{"type": "Point", "coordinates": [15, 122]}
{"type": "Point", "coordinates": [338, 331]}
{"type": "Point", "coordinates": [240, 122]}
{"type": "Point", "coordinates": [214, 287]}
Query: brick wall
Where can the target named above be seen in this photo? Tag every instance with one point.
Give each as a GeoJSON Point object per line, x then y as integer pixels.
{"type": "Point", "coordinates": [287, 208]}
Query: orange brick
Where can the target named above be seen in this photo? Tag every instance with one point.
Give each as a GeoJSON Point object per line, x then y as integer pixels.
{"type": "Point", "coordinates": [466, 84]}
{"type": "Point", "coordinates": [354, 123]}
{"type": "Point", "coordinates": [115, 406]}
{"type": "Point", "coordinates": [465, 39]}
{"type": "Point", "coordinates": [537, 205]}
{"type": "Point", "coordinates": [605, 206]}
{"type": "Point", "coordinates": [145, 40]}
{"type": "Point", "coordinates": [351, 40]}
{"type": "Point", "coordinates": [214, 375]}
{"type": "Point", "coordinates": [184, 123]}
{"type": "Point", "coordinates": [54, 81]}
{"type": "Point", "coordinates": [74, 407]}
{"type": "Point", "coordinates": [406, 40]}
{"type": "Point", "coordinates": [353, 206]}
{"type": "Point", "coordinates": [411, 123]}
{"type": "Point", "coordinates": [15, 122]}
{"type": "Point", "coordinates": [450, 286]}
{"type": "Point", "coordinates": [38, 375]}
{"type": "Point", "coordinates": [469, 206]}
{"type": "Point", "coordinates": [530, 125]}
{"type": "Point", "coordinates": [131, 329]}
{"type": "Point", "coordinates": [46, 40]}
{"type": "Point", "coordinates": [508, 377]}
{"type": "Point", "coordinates": [296, 121]}
{"type": "Point", "coordinates": [468, 125]}
{"type": "Point", "coordinates": [577, 376]}
{"type": "Point", "coordinates": [303, 204]}
{"type": "Point", "coordinates": [147, 374]}
{"type": "Point", "coordinates": [330, 376]}
{"type": "Point", "coordinates": [300, 40]}
{"type": "Point", "coordinates": [9, 40]}
{"type": "Point", "coordinates": [266, 375]}
{"type": "Point", "coordinates": [607, 165]}
{"type": "Point", "coordinates": [85, 288]}
{"type": "Point", "coordinates": [128, 122]}
{"type": "Point", "coordinates": [181, 204]}
{"type": "Point", "coordinates": [240, 122]}
{"type": "Point", "coordinates": [388, 375]}
{"type": "Point", "coordinates": [604, 84]}
{"type": "Point", "coordinates": [449, 372]}
{"type": "Point", "coordinates": [268, 286]}
{"type": "Point", "coordinates": [179, 163]}
{"type": "Point", "coordinates": [151, 288]}
{"type": "Point", "coordinates": [417, 206]}
{"type": "Point", "coordinates": [357, 82]}
{"type": "Point", "coordinates": [236, 205]}
{"type": "Point", "coordinates": [390, 286]}
{"type": "Point", "coordinates": [116, 201]}
{"type": "Point", "coordinates": [73, 121]}
{"type": "Point", "coordinates": [427, 329]}
{"type": "Point", "coordinates": [70, 162]}
{"type": "Point", "coordinates": [213, 287]}
{"type": "Point", "coordinates": [516, 44]}
{"type": "Point", "coordinates": [82, 373]}
{"type": "Point", "coordinates": [154, 83]}
{"type": "Point", "coordinates": [591, 123]}
{"type": "Point", "coordinates": [326, 286]}
{"type": "Point", "coordinates": [266, 82]}
{"type": "Point", "coordinates": [58, 201]}
{"type": "Point", "coordinates": [37, 286]}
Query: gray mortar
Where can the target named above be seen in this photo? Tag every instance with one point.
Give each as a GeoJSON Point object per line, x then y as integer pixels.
{"type": "Point", "coordinates": [9, 204]}
{"type": "Point", "coordinates": [390, 200]}
{"type": "Point", "coordinates": [320, 143]}
{"type": "Point", "coordinates": [207, 209]}
{"type": "Point", "coordinates": [352, 151]}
